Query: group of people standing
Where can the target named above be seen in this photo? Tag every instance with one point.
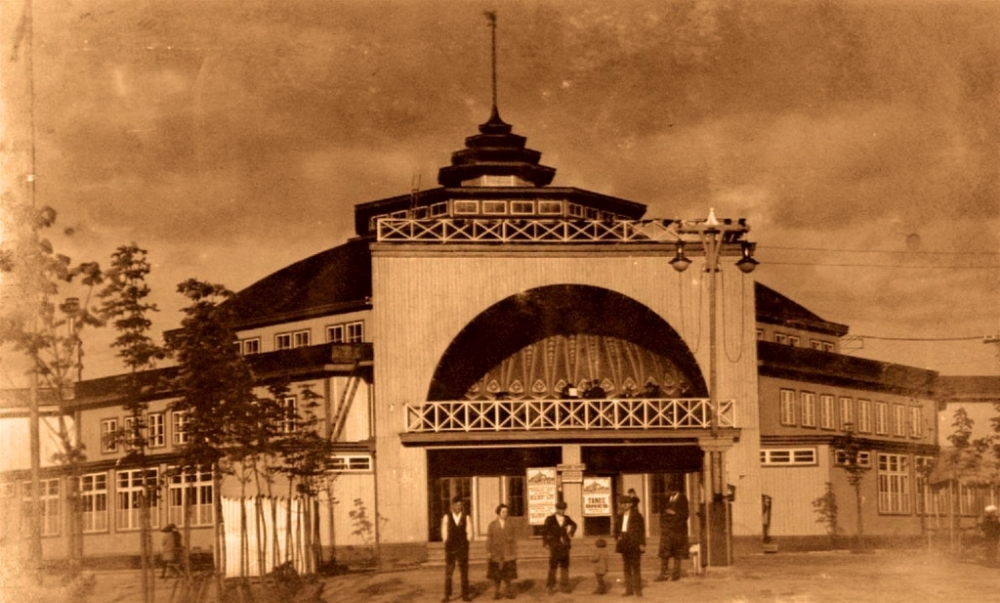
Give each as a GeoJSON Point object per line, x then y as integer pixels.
{"type": "Point", "coordinates": [557, 534]}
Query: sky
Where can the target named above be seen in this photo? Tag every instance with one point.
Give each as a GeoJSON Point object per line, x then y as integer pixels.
{"type": "Point", "coordinates": [861, 140]}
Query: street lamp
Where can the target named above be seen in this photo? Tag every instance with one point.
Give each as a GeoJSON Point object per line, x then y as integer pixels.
{"type": "Point", "coordinates": [714, 237]}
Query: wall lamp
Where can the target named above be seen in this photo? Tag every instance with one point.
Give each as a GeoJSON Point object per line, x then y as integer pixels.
{"type": "Point", "coordinates": [746, 264]}
{"type": "Point", "coordinates": [680, 262]}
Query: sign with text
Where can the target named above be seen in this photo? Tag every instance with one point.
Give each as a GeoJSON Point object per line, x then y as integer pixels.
{"type": "Point", "coordinates": [541, 494]}
{"type": "Point", "coordinates": [597, 496]}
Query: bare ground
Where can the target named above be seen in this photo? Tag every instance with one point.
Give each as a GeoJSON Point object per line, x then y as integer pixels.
{"type": "Point", "coordinates": [836, 577]}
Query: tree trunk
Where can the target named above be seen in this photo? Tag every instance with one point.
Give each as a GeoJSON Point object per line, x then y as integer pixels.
{"type": "Point", "coordinates": [861, 523]}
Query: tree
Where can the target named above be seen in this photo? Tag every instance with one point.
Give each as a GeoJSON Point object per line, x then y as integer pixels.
{"type": "Point", "coordinates": [849, 452]}
{"type": "Point", "coordinates": [125, 305]}
{"type": "Point", "coordinates": [47, 334]}
{"type": "Point", "coordinates": [216, 388]}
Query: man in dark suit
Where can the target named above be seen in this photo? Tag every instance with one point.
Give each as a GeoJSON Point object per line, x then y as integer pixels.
{"type": "Point", "coordinates": [456, 532]}
{"type": "Point", "coordinates": [673, 533]}
{"type": "Point", "coordinates": [630, 543]}
{"type": "Point", "coordinates": [556, 534]}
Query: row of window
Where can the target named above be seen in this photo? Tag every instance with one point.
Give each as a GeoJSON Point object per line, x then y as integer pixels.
{"type": "Point", "coordinates": [497, 207]}
{"type": "Point", "coordinates": [801, 409]}
{"type": "Point", "coordinates": [96, 494]}
{"type": "Point", "coordinates": [895, 492]}
{"type": "Point", "coordinates": [795, 341]}
{"type": "Point", "coordinates": [154, 429]}
{"type": "Point", "coordinates": [348, 332]}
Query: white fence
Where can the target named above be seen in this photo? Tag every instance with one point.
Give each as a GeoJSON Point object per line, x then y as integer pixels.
{"type": "Point", "coordinates": [267, 537]}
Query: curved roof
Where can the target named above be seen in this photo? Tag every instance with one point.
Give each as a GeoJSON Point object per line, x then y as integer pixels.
{"type": "Point", "coordinates": [335, 280]}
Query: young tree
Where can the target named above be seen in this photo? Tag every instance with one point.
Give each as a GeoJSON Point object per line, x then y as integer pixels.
{"type": "Point", "coordinates": [216, 391]}
{"type": "Point", "coordinates": [850, 448]}
{"type": "Point", "coordinates": [125, 305]}
{"type": "Point", "coordinates": [46, 333]}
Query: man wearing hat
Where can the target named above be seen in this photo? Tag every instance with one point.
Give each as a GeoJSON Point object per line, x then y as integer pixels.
{"type": "Point", "coordinates": [556, 534]}
{"type": "Point", "coordinates": [630, 543]}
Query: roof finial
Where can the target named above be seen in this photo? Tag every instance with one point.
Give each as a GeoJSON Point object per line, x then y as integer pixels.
{"type": "Point", "coordinates": [494, 120]}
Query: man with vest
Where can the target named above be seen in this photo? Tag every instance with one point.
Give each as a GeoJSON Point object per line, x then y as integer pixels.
{"type": "Point", "coordinates": [456, 532]}
{"type": "Point", "coordinates": [556, 534]}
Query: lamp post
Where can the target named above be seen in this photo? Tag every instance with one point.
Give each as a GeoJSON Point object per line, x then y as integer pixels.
{"type": "Point", "coordinates": [715, 236]}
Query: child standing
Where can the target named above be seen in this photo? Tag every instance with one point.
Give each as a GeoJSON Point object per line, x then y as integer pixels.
{"type": "Point", "coordinates": [600, 562]}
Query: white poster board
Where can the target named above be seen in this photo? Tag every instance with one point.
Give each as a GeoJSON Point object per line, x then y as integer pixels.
{"type": "Point", "coordinates": [597, 496]}
{"type": "Point", "coordinates": [541, 494]}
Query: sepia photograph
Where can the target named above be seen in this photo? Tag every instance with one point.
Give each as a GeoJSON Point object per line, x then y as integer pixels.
{"type": "Point", "coordinates": [439, 300]}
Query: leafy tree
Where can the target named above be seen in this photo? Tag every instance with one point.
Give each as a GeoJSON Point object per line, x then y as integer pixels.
{"type": "Point", "coordinates": [826, 507]}
{"type": "Point", "coordinates": [217, 390]}
{"type": "Point", "coordinates": [125, 305]}
{"type": "Point", "coordinates": [47, 333]}
{"type": "Point", "coordinates": [851, 448]}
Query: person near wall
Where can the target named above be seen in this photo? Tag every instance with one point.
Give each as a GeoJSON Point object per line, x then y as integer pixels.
{"type": "Point", "coordinates": [600, 562]}
{"type": "Point", "coordinates": [990, 526]}
{"type": "Point", "coordinates": [501, 545]}
{"type": "Point", "coordinates": [630, 543]}
{"type": "Point", "coordinates": [673, 533]}
{"type": "Point", "coordinates": [456, 533]}
{"type": "Point", "coordinates": [557, 532]}
{"type": "Point", "coordinates": [171, 550]}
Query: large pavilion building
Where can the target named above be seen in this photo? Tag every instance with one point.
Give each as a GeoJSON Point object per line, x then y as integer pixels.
{"type": "Point", "coordinates": [505, 340]}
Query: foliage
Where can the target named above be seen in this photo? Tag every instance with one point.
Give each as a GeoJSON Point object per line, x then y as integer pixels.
{"type": "Point", "coordinates": [306, 455]}
{"type": "Point", "coordinates": [826, 507]}
{"type": "Point", "coordinates": [851, 448]}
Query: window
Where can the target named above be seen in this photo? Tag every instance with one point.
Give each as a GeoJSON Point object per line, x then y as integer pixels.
{"type": "Point", "coordinates": [129, 432]}
{"type": "Point", "coordinates": [781, 338]}
{"type": "Point", "coordinates": [196, 488]}
{"type": "Point", "coordinates": [893, 483]}
{"type": "Point", "coordinates": [289, 414]}
{"type": "Point", "coordinates": [130, 493]}
{"type": "Point", "coordinates": [808, 409]}
{"type": "Point", "coordinates": [899, 420]}
{"type": "Point", "coordinates": [575, 210]}
{"type": "Point", "coordinates": [283, 341]}
{"type": "Point", "coordinates": [793, 341]}
{"type": "Point", "coordinates": [300, 339]}
{"type": "Point", "coordinates": [520, 208]}
{"type": "Point", "coordinates": [466, 206]}
{"type": "Point", "coordinates": [816, 344]}
{"type": "Point", "coordinates": [922, 489]}
{"type": "Point", "coordinates": [179, 427]}
{"type": "Point", "coordinates": [352, 332]}
{"type": "Point", "coordinates": [419, 213]}
{"type": "Point", "coordinates": [916, 423]}
{"type": "Point", "coordinates": [398, 215]}
{"type": "Point", "coordinates": [827, 347]}
{"type": "Point", "coordinates": [760, 334]}
{"type": "Point", "coordinates": [550, 208]}
{"type": "Point", "coordinates": [864, 458]}
{"type": "Point", "coordinates": [156, 430]}
{"type": "Point", "coordinates": [788, 456]}
{"type": "Point", "coordinates": [864, 416]}
{"type": "Point", "coordinates": [826, 412]}
{"type": "Point", "coordinates": [94, 502]}
{"type": "Point", "coordinates": [847, 414]}
{"type": "Point", "coordinates": [495, 208]}
{"type": "Point", "coordinates": [515, 496]}
{"type": "Point", "coordinates": [439, 209]}
{"type": "Point", "coordinates": [881, 418]}
{"type": "Point", "coordinates": [48, 495]}
{"type": "Point", "coordinates": [355, 332]}
{"type": "Point", "coordinates": [590, 213]}
{"type": "Point", "coordinates": [251, 346]}
{"type": "Point", "coordinates": [335, 334]}
{"type": "Point", "coordinates": [109, 434]}
{"type": "Point", "coordinates": [351, 463]}
{"type": "Point", "coordinates": [787, 407]}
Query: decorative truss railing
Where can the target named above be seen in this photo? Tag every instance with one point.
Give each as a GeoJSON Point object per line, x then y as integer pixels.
{"type": "Point", "coordinates": [528, 230]}
{"type": "Point", "coordinates": [585, 414]}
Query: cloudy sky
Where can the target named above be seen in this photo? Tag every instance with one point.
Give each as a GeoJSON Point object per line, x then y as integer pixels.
{"type": "Point", "coordinates": [231, 138]}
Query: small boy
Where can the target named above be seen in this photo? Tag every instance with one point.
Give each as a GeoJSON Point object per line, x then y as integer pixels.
{"type": "Point", "coordinates": [600, 561]}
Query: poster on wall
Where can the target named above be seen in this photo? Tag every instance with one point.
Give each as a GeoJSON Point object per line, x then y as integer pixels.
{"type": "Point", "coordinates": [541, 494]}
{"type": "Point", "coordinates": [597, 496]}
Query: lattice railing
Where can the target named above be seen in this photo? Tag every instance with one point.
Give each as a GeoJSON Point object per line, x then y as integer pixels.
{"type": "Point", "coordinates": [538, 415]}
{"type": "Point", "coordinates": [508, 230]}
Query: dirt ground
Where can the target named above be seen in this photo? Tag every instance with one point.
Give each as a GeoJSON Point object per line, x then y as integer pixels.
{"type": "Point", "coordinates": [838, 577]}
